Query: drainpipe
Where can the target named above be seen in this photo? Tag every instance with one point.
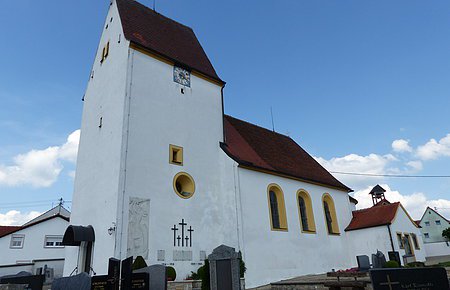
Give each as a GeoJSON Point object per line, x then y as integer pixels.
{"type": "Point", "coordinates": [223, 114]}
{"type": "Point", "coordinates": [390, 237]}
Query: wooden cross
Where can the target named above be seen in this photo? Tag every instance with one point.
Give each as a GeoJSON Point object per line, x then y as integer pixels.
{"type": "Point", "coordinates": [187, 239]}
{"type": "Point", "coordinates": [389, 283]}
{"type": "Point", "coordinates": [179, 238]}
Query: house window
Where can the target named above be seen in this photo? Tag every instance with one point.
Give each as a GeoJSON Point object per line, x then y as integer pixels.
{"type": "Point", "coordinates": [427, 224]}
{"type": "Point", "coordinates": [53, 242]}
{"type": "Point", "coordinates": [415, 241]}
{"type": "Point", "coordinates": [175, 155]}
{"type": "Point", "coordinates": [276, 208]}
{"type": "Point", "coordinates": [306, 212]}
{"type": "Point", "coordinates": [330, 214]}
{"type": "Point", "coordinates": [400, 241]}
{"type": "Point", "coordinates": [105, 52]}
{"type": "Point", "coordinates": [438, 222]}
{"type": "Point", "coordinates": [17, 241]}
{"type": "Point", "coordinates": [426, 235]}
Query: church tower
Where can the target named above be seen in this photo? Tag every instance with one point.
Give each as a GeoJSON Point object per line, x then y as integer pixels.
{"type": "Point", "coordinates": [149, 175]}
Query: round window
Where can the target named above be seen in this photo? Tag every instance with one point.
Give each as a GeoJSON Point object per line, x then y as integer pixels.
{"type": "Point", "coordinates": [184, 185]}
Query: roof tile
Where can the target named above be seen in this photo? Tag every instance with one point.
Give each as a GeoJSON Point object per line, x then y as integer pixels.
{"type": "Point", "coordinates": [257, 147]}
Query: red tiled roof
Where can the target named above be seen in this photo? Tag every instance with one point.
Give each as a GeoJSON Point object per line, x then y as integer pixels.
{"type": "Point", "coordinates": [166, 37]}
{"type": "Point", "coordinates": [383, 213]}
{"type": "Point", "coordinates": [259, 148]}
{"type": "Point", "coordinates": [5, 230]}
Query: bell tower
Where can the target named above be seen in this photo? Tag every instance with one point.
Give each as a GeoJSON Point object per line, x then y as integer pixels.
{"type": "Point", "coordinates": [377, 194]}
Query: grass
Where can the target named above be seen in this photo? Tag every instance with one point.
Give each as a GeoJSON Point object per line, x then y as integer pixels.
{"type": "Point", "coordinates": [445, 264]}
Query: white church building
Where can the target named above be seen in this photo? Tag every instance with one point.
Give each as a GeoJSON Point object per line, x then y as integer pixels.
{"type": "Point", "coordinates": [163, 173]}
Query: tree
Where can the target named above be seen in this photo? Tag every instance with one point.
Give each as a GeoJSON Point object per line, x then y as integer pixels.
{"type": "Point", "coordinates": [446, 234]}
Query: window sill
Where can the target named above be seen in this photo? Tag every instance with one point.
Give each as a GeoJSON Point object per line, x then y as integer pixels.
{"type": "Point", "coordinates": [280, 230]}
{"type": "Point", "coordinates": [334, 234]}
{"type": "Point", "coordinates": [309, 232]}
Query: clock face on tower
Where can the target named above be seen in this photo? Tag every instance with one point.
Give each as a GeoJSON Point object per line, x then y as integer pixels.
{"type": "Point", "coordinates": [181, 76]}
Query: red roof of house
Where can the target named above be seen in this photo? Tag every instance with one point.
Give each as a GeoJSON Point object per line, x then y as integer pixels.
{"type": "Point", "coordinates": [259, 148]}
{"type": "Point", "coordinates": [6, 230]}
{"type": "Point", "coordinates": [383, 213]}
{"type": "Point", "coordinates": [164, 36]}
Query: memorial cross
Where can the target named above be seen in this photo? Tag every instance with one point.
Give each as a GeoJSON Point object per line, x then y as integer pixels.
{"type": "Point", "coordinates": [179, 238]}
{"type": "Point", "coordinates": [182, 224]}
{"type": "Point", "coordinates": [389, 283]}
{"type": "Point", "coordinates": [190, 230]}
{"type": "Point", "coordinates": [174, 229]}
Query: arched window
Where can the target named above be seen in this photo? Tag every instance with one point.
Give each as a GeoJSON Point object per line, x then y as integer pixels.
{"type": "Point", "coordinates": [305, 212]}
{"type": "Point", "coordinates": [277, 209]}
{"type": "Point", "coordinates": [330, 214]}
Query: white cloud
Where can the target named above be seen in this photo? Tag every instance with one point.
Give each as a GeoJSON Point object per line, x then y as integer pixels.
{"type": "Point", "coordinates": [16, 218]}
{"type": "Point", "coordinates": [414, 203]}
{"type": "Point", "coordinates": [40, 168]}
{"type": "Point", "coordinates": [401, 145]}
{"type": "Point", "coordinates": [353, 163]}
{"type": "Point", "coordinates": [415, 165]}
{"type": "Point", "coordinates": [434, 149]}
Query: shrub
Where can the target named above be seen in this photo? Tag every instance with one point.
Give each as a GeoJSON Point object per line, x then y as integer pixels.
{"type": "Point", "coordinates": [242, 267]}
{"type": "Point", "coordinates": [446, 234]}
{"type": "Point", "coordinates": [391, 264]}
{"type": "Point", "coordinates": [171, 273]}
{"type": "Point", "coordinates": [139, 263]}
{"type": "Point", "coordinates": [204, 275]}
{"type": "Point", "coordinates": [416, 265]}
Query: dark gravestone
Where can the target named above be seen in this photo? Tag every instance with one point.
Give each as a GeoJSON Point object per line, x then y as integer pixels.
{"type": "Point", "coordinates": [34, 282]}
{"type": "Point", "coordinates": [126, 273]}
{"type": "Point", "coordinates": [363, 263]}
{"type": "Point", "coordinates": [395, 256]}
{"type": "Point", "coordinates": [378, 260]}
{"type": "Point", "coordinates": [140, 281]}
{"type": "Point", "coordinates": [224, 269]}
{"type": "Point", "coordinates": [157, 276]}
{"type": "Point", "coordinates": [223, 275]}
{"type": "Point", "coordinates": [78, 282]}
{"type": "Point", "coordinates": [409, 278]}
{"type": "Point", "coordinates": [114, 273]}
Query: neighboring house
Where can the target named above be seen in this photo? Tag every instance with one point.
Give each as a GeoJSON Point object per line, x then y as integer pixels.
{"type": "Point", "coordinates": [164, 174]}
{"type": "Point", "coordinates": [437, 247]}
{"type": "Point", "coordinates": [386, 227]}
{"type": "Point", "coordinates": [34, 245]}
{"type": "Point", "coordinates": [433, 224]}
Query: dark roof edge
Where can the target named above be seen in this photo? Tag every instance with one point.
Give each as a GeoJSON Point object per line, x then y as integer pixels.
{"type": "Point", "coordinates": [251, 166]}
{"type": "Point", "coordinates": [35, 223]}
{"type": "Point", "coordinates": [367, 227]}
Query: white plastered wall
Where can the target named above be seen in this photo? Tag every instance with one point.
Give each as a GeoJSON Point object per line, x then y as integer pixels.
{"type": "Point", "coordinates": [275, 255]}
{"type": "Point", "coordinates": [97, 180]}
{"type": "Point", "coordinates": [161, 115]}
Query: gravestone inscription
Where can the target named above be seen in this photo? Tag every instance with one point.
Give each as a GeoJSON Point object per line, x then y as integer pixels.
{"type": "Point", "coordinates": [114, 273]}
{"type": "Point", "coordinates": [409, 279]}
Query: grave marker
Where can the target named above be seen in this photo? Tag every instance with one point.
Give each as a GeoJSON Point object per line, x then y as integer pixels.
{"type": "Point", "coordinates": [409, 279]}
{"type": "Point", "coordinates": [224, 269]}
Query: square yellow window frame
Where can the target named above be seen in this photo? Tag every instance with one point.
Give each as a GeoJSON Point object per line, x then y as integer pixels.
{"type": "Point", "coordinates": [175, 155]}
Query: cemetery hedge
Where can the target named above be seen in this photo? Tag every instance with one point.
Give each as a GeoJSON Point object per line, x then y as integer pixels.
{"type": "Point", "coordinates": [139, 263]}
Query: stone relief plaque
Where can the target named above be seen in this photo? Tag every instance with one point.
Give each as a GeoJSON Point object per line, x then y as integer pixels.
{"type": "Point", "coordinates": [138, 227]}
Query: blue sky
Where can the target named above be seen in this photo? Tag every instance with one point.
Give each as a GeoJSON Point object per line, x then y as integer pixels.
{"type": "Point", "coordinates": [345, 79]}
